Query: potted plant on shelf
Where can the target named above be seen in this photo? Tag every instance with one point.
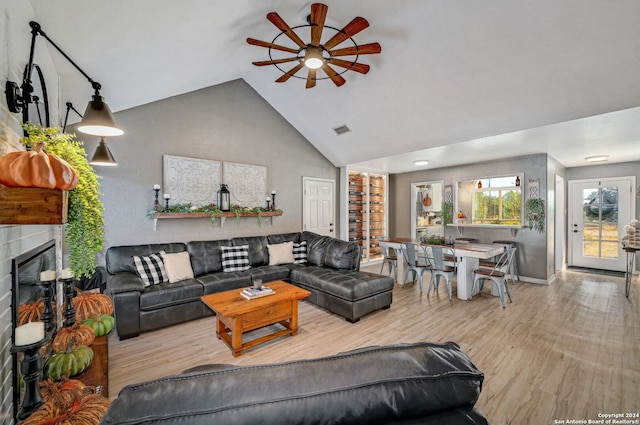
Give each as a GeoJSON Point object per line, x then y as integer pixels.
{"type": "Point", "coordinates": [535, 214]}
{"type": "Point", "coordinates": [84, 233]}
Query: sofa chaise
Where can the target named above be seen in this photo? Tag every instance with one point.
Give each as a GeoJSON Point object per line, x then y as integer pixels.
{"type": "Point", "coordinates": [420, 383]}
{"type": "Point", "coordinates": [331, 272]}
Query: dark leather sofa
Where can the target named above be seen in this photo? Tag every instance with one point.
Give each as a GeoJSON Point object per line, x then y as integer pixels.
{"type": "Point", "coordinates": [420, 383]}
{"type": "Point", "coordinates": [332, 275]}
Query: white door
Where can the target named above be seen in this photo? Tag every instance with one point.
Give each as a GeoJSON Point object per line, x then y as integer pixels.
{"type": "Point", "coordinates": [318, 210]}
{"type": "Point", "coordinates": [598, 212]}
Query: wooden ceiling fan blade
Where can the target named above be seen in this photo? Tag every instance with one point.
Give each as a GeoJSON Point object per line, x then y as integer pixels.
{"type": "Point", "coordinates": [318, 16]}
{"type": "Point", "coordinates": [331, 73]}
{"type": "Point", "coordinates": [290, 73]}
{"type": "Point", "coordinates": [351, 29]}
{"type": "Point", "coordinates": [274, 62]}
{"type": "Point", "coordinates": [276, 20]}
{"type": "Point", "coordinates": [311, 79]}
{"type": "Point", "coordinates": [260, 43]}
{"type": "Point", "coordinates": [358, 67]}
{"type": "Point", "coordinates": [365, 49]}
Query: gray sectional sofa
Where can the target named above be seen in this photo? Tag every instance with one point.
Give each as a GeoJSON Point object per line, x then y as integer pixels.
{"type": "Point", "coordinates": [420, 383]}
{"type": "Point", "coordinates": [332, 275]}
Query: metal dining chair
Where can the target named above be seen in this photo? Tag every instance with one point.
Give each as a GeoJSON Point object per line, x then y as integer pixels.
{"type": "Point", "coordinates": [440, 267]}
{"type": "Point", "coordinates": [511, 268]}
{"type": "Point", "coordinates": [414, 263]}
{"type": "Point", "coordinates": [390, 258]}
{"type": "Point", "coordinates": [496, 275]}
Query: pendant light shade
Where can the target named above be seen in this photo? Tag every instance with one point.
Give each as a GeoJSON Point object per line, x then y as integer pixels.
{"type": "Point", "coordinates": [98, 119]}
{"type": "Point", "coordinates": [103, 156]}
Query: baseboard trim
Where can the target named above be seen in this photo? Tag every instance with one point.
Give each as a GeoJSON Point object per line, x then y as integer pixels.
{"type": "Point", "coordinates": [537, 281]}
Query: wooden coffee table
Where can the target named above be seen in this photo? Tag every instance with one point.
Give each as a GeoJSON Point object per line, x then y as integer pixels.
{"type": "Point", "coordinates": [236, 315]}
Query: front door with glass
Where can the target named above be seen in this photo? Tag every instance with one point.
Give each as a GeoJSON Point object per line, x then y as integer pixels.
{"type": "Point", "coordinates": [598, 212]}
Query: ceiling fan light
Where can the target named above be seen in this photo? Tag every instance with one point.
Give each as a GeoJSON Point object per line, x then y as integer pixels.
{"type": "Point", "coordinates": [313, 58]}
{"type": "Point", "coordinates": [98, 120]}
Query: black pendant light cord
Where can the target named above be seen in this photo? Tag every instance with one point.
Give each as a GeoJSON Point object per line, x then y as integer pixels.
{"type": "Point", "coordinates": [36, 30]}
{"type": "Point", "coordinates": [66, 116]}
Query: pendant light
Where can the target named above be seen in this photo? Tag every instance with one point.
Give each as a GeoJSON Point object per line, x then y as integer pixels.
{"type": "Point", "coordinates": [103, 156]}
{"type": "Point", "coordinates": [97, 120]}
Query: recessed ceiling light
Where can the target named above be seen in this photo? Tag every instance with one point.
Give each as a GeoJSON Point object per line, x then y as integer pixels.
{"type": "Point", "coordinates": [420, 162]}
{"type": "Point", "coordinates": [597, 158]}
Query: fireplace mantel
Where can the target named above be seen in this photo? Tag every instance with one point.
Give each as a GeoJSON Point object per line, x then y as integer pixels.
{"type": "Point", "coordinates": [29, 205]}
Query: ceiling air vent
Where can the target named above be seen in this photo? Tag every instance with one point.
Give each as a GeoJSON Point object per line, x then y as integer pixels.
{"type": "Point", "coordinates": [341, 130]}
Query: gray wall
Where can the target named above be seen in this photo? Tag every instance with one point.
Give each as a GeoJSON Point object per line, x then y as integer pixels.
{"type": "Point", "coordinates": [228, 122]}
{"type": "Point", "coordinates": [535, 263]}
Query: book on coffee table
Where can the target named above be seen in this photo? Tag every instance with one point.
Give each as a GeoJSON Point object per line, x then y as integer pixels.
{"type": "Point", "coordinates": [252, 293]}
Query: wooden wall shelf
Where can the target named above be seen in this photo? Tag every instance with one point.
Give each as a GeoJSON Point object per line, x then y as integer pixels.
{"type": "Point", "coordinates": [222, 216]}
{"type": "Point", "coordinates": [461, 226]}
{"type": "Point", "coordinates": [29, 205]}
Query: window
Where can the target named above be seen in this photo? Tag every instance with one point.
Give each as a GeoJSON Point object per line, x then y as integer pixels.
{"type": "Point", "coordinates": [490, 201]}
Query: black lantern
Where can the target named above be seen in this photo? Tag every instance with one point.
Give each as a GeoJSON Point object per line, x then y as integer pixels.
{"type": "Point", "coordinates": [224, 198]}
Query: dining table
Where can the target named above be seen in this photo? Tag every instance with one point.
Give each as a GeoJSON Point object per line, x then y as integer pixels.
{"type": "Point", "coordinates": [468, 255]}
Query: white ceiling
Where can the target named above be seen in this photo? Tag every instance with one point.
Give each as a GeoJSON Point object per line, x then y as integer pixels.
{"type": "Point", "coordinates": [458, 81]}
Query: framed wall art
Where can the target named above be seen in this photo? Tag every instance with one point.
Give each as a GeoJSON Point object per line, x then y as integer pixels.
{"type": "Point", "coordinates": [448, 193]}
{"type": "Point", "coordinates": [191, 180]}
{"type": "Point", "coordinates": [247, 183]}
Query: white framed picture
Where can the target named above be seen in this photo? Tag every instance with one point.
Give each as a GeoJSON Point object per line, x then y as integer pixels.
{"type": "Point", "coordinates": [191, 180]}
{"type": "Point", "coordinates": [448, 193]}
{"type": "Point", "coordinates": [247, 183]}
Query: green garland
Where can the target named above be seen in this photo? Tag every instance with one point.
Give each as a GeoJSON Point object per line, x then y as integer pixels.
{"type": "Point", "coordinates": [447, 212]}
{"type": "Point", "coordinates": [213, 210]}
{"type": "Point", "coordinates": [84, 231]}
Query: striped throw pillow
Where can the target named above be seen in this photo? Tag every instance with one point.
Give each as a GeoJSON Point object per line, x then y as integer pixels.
{"type": "Point", "coordinates": [151, 268]}
{"type": "Point", "coordinates": [235, 258]}
{"type": "Point", "coordinates": [300, 252]}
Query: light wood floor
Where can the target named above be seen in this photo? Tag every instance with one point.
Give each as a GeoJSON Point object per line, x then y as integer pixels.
{"type": "Point", "coordinates": [566, 351]}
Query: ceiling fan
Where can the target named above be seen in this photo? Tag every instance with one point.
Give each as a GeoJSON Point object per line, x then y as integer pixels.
{"type": "Point", "coordinates": [316, 55]}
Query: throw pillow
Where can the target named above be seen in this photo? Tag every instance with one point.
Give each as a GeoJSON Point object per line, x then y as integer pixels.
{"type": "Point", "coordinates": [300, 252]}
{"type": "Point", "coordinates": [235, 258]}
{"type": "Point", "coordinates": [281, 253]}
{"type": "Point", "coordinates": [177, 266]}
{"type": "Point", "coordinates": [151, 268]}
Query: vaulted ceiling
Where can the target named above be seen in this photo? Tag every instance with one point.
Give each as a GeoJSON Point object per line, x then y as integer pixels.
{"type": "Point", "coordinates": [457, 81]}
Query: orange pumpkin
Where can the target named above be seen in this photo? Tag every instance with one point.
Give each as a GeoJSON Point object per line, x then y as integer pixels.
{"type": "Point", "coordinates": [87, 410]}
{"type": "Point", "coordinates": [30, 312]}
{"type": "Point", "coordinates": [63, 393]}
{"type": "Point", "coordinates": [88, 305]}
{"type": "Point", "coordinates": [37, 169]}
{"type": "Point", "coordinates": [78, 333]}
